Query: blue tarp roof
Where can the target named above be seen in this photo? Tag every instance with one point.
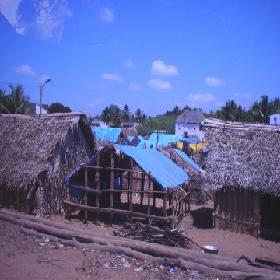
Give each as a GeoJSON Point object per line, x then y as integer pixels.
{"type": "Point", "coordinates": [190, 140]}
{"type": "Point", "coordinates": [107, 134]}
{"type": "Point", "coordinates": [187, 159]}
{"type": "Point", "coordinates": [89, 162]}
{"type": "Point", "coordinates": [163, 170]}
{"type": "Point", "coordinates": [164, 139]}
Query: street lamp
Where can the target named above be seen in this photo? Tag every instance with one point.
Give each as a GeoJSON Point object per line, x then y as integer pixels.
{"type": "Point", "coordinates": [41, 93]}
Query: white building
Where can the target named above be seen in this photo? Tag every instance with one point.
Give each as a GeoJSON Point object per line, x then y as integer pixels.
{"type": "Point", "coordinates": [274, 119]}
{"type": "Point", "coordinates": [188, 124]}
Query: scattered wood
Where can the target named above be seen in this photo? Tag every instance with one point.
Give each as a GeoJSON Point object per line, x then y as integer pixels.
{"type": "Point", "coordinates": [154, 234]}
{"type": "Point", "coordinates": [215, 265]}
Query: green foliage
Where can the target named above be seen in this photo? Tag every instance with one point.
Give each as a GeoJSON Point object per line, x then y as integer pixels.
{"type": "Point", "coordinates": [17, 102]}
{"type": "Point", "coordinates": [159, 123]}
{"type": "Point", "coordinates": [58, 108]}
{"type": "Point", "coordinates": [165, 122]}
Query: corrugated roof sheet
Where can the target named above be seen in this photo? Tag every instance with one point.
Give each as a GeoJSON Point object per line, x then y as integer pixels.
{"type": "Point", "coordinates": [187, 159]}
{"type": "Point", "coordinates": [107, 134]}
{"type": "Point", "coordinates": [163, 169]}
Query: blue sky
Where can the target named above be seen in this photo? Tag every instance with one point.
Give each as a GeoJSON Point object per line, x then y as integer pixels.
{"type": "Point", "coordinates": [148, 54]}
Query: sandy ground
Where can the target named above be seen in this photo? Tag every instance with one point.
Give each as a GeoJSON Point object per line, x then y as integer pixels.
{"type": "Point", "coordinates": [26, 257]}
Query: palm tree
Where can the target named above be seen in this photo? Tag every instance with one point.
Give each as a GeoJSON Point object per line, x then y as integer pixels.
{"type": "Point", "coordinates": [126, 116]}
{"type": "Point", "coordinates": [230, 111]}
{"type": "Point", "coordinates": [106, 116]}
{"type": "Point", "coordinates": [3, 102]}
{"type": "Point", "coordinates": [17, 102]}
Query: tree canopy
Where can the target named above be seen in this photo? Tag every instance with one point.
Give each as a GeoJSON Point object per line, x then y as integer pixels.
{"type": "Point", "coordinates": [58, 108]}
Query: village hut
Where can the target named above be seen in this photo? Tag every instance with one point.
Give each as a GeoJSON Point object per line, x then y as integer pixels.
{"type": "Point", "coordinates": [197, 195]}
{"type": "Point", "coordinates": [37, 153]}
{"type": "Point", "coordinates": [242, 164]}
{"type": "Point", "coordinates": [139, 174]}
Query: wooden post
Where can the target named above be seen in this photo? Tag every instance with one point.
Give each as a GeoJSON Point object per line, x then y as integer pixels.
{"type": "Point", "coordinates": [189, 203]}
{"type": "Point", "coordinates": [164, 204]}
{"type": "Point", "coordinates": [97, 197]}
{"type": "Point", "coordinates": [111, 185]}
{"type": "Point", "coordinates": [150, 182]}
{"type": "Point", "coordinates": [256, 219]}
{"type": "Point", "coordinates": [229, 210]}
{"type": "Point", "coordinates": [142, 188]}
{"type": "Point", "coordinates": [235, 210]}
{"type": "Point", "coordinates": [86, 184]}
{"type": "Point", "coordinates": [128, 187]}
{"type": "Point", "coordinates": [130, 190]}
{"type": "Point", "coordinates": [154, 198]}
{"type": "Point", "coordinates": [240, 210]}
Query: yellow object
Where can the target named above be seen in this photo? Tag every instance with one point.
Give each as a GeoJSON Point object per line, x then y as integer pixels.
{"type": "Point", "coordinates": [197, 147]}
{"type": "Point", "coordinates": [180, 145]}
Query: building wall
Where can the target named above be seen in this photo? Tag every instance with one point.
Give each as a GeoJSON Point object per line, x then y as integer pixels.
{"type": "Point", "coordinates": [190, 129]}
{"type": "Point", "coordinates": [274, 119]}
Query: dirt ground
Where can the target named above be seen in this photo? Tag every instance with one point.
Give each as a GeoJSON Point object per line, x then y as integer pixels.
{"type": "Point", "coordinates": [27, 257]}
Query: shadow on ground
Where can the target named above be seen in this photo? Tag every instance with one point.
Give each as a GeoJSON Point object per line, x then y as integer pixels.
{"type": "Point", "coordinates": [202, 218]}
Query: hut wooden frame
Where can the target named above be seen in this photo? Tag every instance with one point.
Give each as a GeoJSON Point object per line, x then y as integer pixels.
{"type": "Point", "coordinates": [175, 201]}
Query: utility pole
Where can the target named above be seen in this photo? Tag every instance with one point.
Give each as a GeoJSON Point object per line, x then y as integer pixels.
{"type": "Point", "coordinates": [41, 93]}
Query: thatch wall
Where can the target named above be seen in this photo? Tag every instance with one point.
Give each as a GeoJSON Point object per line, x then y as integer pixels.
{"type": "Point", "coordinates": [37, 153]}
{"type": "Point", "coordinates": [242, 164]}
{"type": "Point", "coordinates": [237, 210]}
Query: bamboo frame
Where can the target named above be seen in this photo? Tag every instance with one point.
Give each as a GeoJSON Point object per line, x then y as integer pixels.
{"type": "Point", "coordinates": [175, 200]}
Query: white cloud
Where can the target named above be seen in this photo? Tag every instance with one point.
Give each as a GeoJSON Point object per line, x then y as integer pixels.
{"type": "Point", "coordinates": [107, 15]}
{"type": "Point", "coordinates": [135, 86]}
{"type": "Point", "coordinates": [213, 81]}
{"type": "Point", "coordinates": [195, 99]}
{"type": "Point", "coordinates": [129, 64]}
{"type": "Point", "coordinates": [159, 84]}
{"type": "Point", "coordinates": [25, 70]}
{"type": "Point", "coordinates": [159, 68]}
{"type": "Point", "coordinates": [112, 77]}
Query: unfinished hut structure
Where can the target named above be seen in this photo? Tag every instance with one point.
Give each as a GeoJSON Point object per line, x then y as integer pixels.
{"type": "Point", "coordinates": [242, 169]}
{"type": "Point", "coordinates": [131, 181]}
{"type": "Point", "coordinates": [37, 153]}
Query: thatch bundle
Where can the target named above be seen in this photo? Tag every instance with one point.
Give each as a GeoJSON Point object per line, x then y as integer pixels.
{"type": "Point", "coordinates": [242, 155]}
{"type": "Point", "coordinates": [37, 153]}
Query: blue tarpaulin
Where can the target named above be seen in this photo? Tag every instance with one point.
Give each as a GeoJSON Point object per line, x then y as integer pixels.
{"type": "Point", "coordinates": [162, 140]}
{"type": "Point", "coordinates": [110, 135]}
{"type": "Point", "coordinates": [190, 140]}
{"type": "Point", "coordinates": [187, 159]}
{"type": "Point", "coordinates": [163, 169]}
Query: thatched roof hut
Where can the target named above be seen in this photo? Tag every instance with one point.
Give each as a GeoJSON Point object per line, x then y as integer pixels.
{"type": "Point", "coordinates": [242, 165]}
{"type": "Point", "coordinates": [37, 153]}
